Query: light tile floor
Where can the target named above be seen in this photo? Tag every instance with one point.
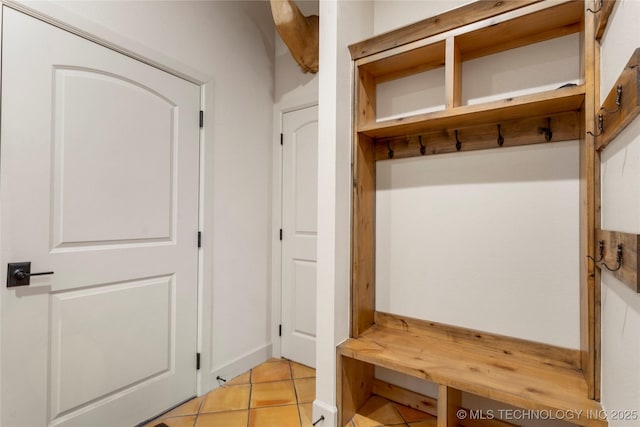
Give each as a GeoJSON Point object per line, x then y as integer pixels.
{"type": "Point", "coordinates": [278, 393]}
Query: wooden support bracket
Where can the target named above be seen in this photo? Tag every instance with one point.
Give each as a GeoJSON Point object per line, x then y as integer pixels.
{"type": "Point", "coordinates": [628, 268]}
{"type": "Point", "coordinates": [626, 91]}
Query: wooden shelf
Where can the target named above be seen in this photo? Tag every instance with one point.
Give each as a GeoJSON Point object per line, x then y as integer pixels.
{"type": "Point", "coordinates": [521, 373]}
{"type": "Point", "coordinates": [545, 103]}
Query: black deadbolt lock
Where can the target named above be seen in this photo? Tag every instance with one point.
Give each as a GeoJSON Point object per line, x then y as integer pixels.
{"type": "Point", "coordinates": [19, 274]}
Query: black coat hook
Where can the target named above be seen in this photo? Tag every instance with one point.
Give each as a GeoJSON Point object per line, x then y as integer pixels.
{"type": "Point", "coordinates": [389, 148]}
{"type": "Point", "coordinates": [618, 101]}
{"type": "Point", "coordinates": [618, 260]}
{"type": "Point", "coordinates": [423, 149]}
{"type": "Point", "coordinates": [458, 143]}
{"type": "Point", "coordinates": [599, 8]}
{"type": "Point", "coordinates": [600, 126]}
{"type": "Point", "coordinates": [500, 137]}
{"type": "Point", "coordinates": [600, 250]}
{"type": "Point", "coordinates": [547, 131]}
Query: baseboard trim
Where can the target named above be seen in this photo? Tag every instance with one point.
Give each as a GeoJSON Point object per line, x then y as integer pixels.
{"type": "Point", "coordinates": [240, 365]}
{"type": "Point", "coordinates": [329, 412]}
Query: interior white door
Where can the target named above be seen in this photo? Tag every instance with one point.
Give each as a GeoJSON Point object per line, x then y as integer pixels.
{"type": "Point", "coordinates": [299, 225]}
{"type": "Point", "coordinates": [99, 172]}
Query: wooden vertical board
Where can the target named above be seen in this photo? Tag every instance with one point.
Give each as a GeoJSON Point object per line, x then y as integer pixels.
{"type": "Point", "coordinates": [449, 402]}
{"type": "Point", "coordinates": [363, 238]}
{"type": "Point", "coordinates": [615, 118]}
{"type": "Point", "coordinates": [365, 97]}
{"type": "Point", "coordinates": [587, 209]}
{"type": "Point", "coordinates": [453, 74]}
{"type": "Point", "coordinates": [602, 16]}
{"type": "Point", "coordinates": [628, 272]}
{"type": "Point", "coordinates": [355, 386]}
{"type": "Point", "coordinates": [597, 291]}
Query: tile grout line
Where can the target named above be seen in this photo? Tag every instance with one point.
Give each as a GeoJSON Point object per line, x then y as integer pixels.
{"type": "Point", "coordinates": [250, 393]}
{"type": "Point", "coordinates": [195, 422]}
{"type": "Point", "coordinates": [295, 391]}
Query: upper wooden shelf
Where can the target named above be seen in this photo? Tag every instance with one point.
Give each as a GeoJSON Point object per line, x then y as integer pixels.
{"type": "Point", "coordinates": [521, 373]}
{"type": "Point", "coordinates": [544, 103]}
{"type": "Point", "coordinates": [435, 25]}
{"type": "Point", "coordinates": [520, 27]}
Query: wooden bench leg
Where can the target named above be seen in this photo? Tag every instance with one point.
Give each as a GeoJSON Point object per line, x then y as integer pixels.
{"type": "Point", "coordinates": [449, 402]}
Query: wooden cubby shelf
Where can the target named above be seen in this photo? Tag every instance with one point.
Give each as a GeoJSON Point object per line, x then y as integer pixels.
{"type": "Point", "coordinates": [539, 104]}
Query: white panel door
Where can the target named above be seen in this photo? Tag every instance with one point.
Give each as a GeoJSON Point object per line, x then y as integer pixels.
{"type": "Point", "coordinates": [299, 224]}
{"type": "Point", "coordinates": [99, 172]}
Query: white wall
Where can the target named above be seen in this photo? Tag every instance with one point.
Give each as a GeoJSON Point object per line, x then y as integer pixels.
{"type": "Point", "coordinates": [391, 14]}
{"type": "Point", "coordinates": [621, 212]}
{"type": "Point", "coordinates": [486, 240]}
{"type": "Point", "coordinates": [231, 44]}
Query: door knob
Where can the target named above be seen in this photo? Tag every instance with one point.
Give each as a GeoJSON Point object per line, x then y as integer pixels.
{"type": "Point", "coordinates": [19, 273]}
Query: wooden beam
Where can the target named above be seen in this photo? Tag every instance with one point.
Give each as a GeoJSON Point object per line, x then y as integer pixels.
{"type": "Point", "coordinates": [627, 272]}
{"type": "Point", "coordinates": [455, 18]}
{"type": "Point", "coordinates": [626, 92]}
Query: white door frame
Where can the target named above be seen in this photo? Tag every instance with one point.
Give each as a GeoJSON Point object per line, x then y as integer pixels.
{"type": "Point", "coordinates": [60, 17]}
{"type": "Point", "coordinates": [279, 111]}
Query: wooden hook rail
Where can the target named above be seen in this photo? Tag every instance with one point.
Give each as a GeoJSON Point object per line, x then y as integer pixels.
{"type": "Point", "coordinates": [619, 255]}
{"type": "Point", "coordinates": [622, 104]}
{"type": "Point", "coordinates": [509, 133]}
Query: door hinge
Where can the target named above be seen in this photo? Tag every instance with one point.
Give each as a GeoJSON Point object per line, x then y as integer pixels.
{"type": "Point", "coordinates": [279, 330]}
{"type": "Point", "coordinates": [201, 119]}
{"type": "Point", "coordinates": [197, 361]}
{"type": "Point", "coordinates": [282, 139]}
{"type": "Point", "coordinates": [281, 234]}
{"type": "Point", "coordinates": [199, 239]}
